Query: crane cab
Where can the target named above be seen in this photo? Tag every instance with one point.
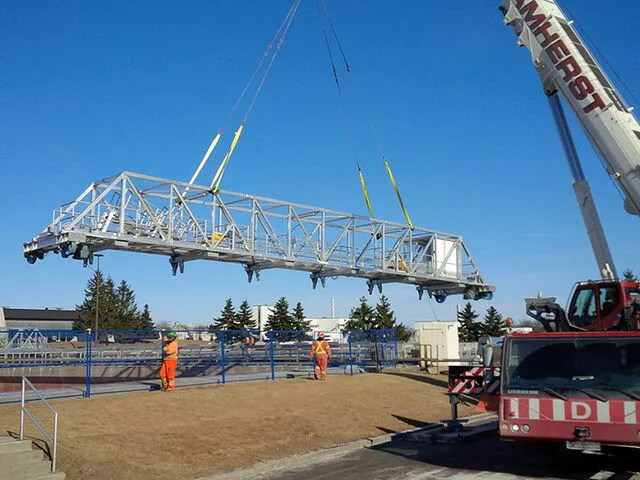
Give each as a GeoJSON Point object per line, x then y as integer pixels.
{"type": "Point", "coordinates": [602, 305]}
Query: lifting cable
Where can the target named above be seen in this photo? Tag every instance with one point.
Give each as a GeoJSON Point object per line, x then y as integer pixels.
{"type": "Point", "coordinates": [345, 114]}
{"type": "Point", "coordinates": [324, 13]}
{"type": "Point", "coordinates": [284, 26]}
{"type": "Point", "coordinates": [215, 183]}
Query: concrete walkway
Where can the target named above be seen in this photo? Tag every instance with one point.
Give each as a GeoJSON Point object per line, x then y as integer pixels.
{"type": "Point", "coordinates": [482, 459]}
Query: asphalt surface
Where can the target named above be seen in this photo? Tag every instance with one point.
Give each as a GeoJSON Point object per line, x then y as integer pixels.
{"type": "Point", "coordinates": [487, 458]}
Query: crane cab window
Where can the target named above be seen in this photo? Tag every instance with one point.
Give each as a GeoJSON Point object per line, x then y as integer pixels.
{"type": "Point", "coordinates": [584, 311]}
{"type": "Point", "coordinates": [609, 300]}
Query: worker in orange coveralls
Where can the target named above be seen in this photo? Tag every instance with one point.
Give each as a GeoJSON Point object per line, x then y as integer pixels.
{"type": "Point", "coordinates": [169, 361]}
{"type": "Point", "coordinates": [322, 351]}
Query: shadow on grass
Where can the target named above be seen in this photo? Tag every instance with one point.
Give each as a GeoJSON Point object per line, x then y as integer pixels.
{"type": "Point", "coordinates": [411, 421]}
{"type": "Point", "coordinates": [386, 430]}
{"type": "Point", "coordinates": [421, 378]}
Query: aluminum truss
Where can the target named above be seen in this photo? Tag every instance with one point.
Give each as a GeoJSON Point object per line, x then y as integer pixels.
{"type": "Point", "coordinates": [139, 213]}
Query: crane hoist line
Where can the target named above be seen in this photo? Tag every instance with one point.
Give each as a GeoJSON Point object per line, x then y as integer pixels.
{"type": "Point", "coordinates": [325, 20]}
{"type": "Point", "coordinates": [269, 55]}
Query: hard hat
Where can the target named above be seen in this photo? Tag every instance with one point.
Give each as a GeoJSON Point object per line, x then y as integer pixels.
{"type": "Point", "coordinates": [172, 335]}
{"type": "Point", "coordinates": [320, 335]}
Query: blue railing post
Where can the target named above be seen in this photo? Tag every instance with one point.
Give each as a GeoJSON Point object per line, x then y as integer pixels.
{"type": "Point", "coordinates": [88, 354]}
{"type": "Point", "coordinates": [350, 357]}
{"type": "Point", "coordinates": [395, 348]}
{"type": "Point", "coordinates": [222, 359]}
{"type": "Point", "coordinates": [273, 363]}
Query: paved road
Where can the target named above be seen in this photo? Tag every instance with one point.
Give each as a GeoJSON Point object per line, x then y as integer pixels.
{"type": "Point", "coordinates": [478, 460]}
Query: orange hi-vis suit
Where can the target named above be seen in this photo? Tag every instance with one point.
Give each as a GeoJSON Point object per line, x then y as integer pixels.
{"type": "Point", "coordinates": [169, 364]}
{"type": "Point", "coordinates": [322, 351]}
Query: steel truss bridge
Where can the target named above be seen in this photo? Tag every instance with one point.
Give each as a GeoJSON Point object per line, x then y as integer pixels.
{"type": "Point", "coordinates": [140, 213]}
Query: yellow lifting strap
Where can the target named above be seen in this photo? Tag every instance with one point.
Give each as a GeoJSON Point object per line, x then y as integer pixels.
{"type": "Point", "coordinates": [395, 187]}
{"type": "Point", "coordinates": [365, 192]}
{"type": "Point", "coordinates": [215, 184]}
{"type": "Point", "coordinates": [204, 160]}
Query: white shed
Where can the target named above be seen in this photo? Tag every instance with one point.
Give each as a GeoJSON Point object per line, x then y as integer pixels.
{"type": "Point", "coordinates": [438, 340]}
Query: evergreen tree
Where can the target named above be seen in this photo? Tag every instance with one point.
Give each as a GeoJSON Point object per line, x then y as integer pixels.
{"type": "Point", "coordinates": [404, 334]}
{"type": "Point", "coordinates": [244, 318]}
{"type": "Point", "coordinates": [468, 328]}
{"type": "Point", "coordinates": [361, 317]}
{"type": "Point", "coordinates": [282, 323]}
{"type": "Point", "coordinates": [99, 295]}
{"type": "Point", "coordinates": [493, 324]}
{"type": "Point", "coordinates": [280, 318]}
{"type": "Point", "coordinates": [144, 319]}
{"type": "Point", "coordinates": [629, 276]}
{"type": "Point", "coordinates": [364, 318]}
{"type": "Point", "coordinates": [127, 313]}
{"type": "Point", "coordinates": [384, 316]}
{"type": "Point", "coordinates": [298, 321]}
{"type": "Point", "coordinates": [227, 319]}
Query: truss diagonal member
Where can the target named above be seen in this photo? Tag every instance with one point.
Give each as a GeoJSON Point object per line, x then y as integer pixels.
{"type": "Point", "coordinates": [395, 249]}
{"type": "Point", "coordinates": [476, 272]}
{"type": "Point", "coordinates": [374, 235]}
{"type": "Point", "coordinates": [268, 228]}
{"type": "Point", "coordinates": [333, 247]}
{"type": "Point", "coordinates": [186, 208]}
{"type": "Point", "coordinates": [443, 265]}
{"type": "Point", "coordinates": [308, 238]}
{"type": "Point", "coordinates": [225, 211]}
{"type": "Point", "coordinates": [152, 215]}
{"type": "Point", "coordinates": [93, 204]}
{"type": "Point", "coordinates": [69, 208]}
{"type": "Point", "coordinates": [419, 259]}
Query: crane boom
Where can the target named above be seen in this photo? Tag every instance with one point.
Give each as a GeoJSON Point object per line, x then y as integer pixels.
{"type": "Point", "coordinates": [566, 66]}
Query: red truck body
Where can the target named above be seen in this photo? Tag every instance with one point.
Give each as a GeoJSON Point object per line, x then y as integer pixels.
{"type": "Point", "coordinates": [579, 388]}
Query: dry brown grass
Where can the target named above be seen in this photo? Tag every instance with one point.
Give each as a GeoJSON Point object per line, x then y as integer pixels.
{"type": "Point", "coordinates": [201, 431]}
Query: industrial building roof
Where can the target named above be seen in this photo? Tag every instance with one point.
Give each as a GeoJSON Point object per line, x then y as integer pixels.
{"type": "Point", "coordinates": [42, 314]}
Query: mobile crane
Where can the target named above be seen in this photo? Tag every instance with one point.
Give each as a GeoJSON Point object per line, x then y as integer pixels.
{"type": "Point", "coordinates": [579, 382]}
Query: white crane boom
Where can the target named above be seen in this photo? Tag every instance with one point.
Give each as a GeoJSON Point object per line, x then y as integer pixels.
{"type": "Point", "coordinates": [565, 65]}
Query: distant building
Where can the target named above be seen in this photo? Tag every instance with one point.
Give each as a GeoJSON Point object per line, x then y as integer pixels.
{"type": "Point", "coordinates": [260, 313]}
{"type": "Point", "coordinates": [42, 319]}
{"type": "Point", "coordinates": [332, 327]}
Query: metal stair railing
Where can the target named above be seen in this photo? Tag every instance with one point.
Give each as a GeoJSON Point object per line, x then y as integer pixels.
{"type": "Point", "coordinates": [23, 409]}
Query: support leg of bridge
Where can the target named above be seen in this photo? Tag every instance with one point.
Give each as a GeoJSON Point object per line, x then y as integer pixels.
{"type": "Point", "coordinates": [318, 276]}
{"type": "Point", "coordinates": [374, 283]}
{"type": "Point", "coordinates": [251, 269]}
{"type": "Point", "coordinates": [177, 262]}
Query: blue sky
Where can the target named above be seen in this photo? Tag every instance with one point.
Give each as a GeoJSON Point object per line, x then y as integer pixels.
{"type": "Point", "coordinates": [88, 89]}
